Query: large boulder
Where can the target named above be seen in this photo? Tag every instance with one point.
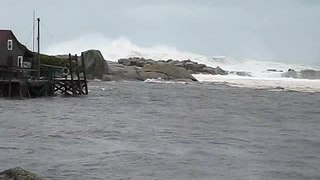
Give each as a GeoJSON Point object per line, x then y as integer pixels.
{"type": "Point", "coordinates": [121, 72]}
{"type": "Point", "coordinates": [167, 71]}
{"type": "Point", "coordinates": [195, 67]}
{"type": "Point", "coordinates": [240, 73]}
{"type": "Point", "coordinates": [96, 66]}
{"type": "Point", "coordinates": [290, 74]}
{"type": "Point", "coordinates": [153, 75]}
{"type": "Point", "coordinates": [191, 66]}
{"type": "Point", "coordinates": [209, 70]}
{"type": "Point", "coordinates": [18, 174]}
{"type": "Point", "coordinates": [135, 61]}
{"type": "Point", "coordinates": [219, 70]}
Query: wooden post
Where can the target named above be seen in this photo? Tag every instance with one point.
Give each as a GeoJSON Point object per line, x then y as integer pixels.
{"type": "Point", "coordinates": [84, 73]}
{"type": "Point", "coordinates": [10, 77]}
{"type": "Point", "coordinates": [78, 76]}
{"type": "Point", "coordinates": [38, 59]}
{"type": "Point", "coordinates": [20, 92]}
{"type": "Point", "coordinates": [65, 84]}
{"type": "Point", "coordinates": [71, 74]}
{"type": "Point", "coordinates": [10, 84]}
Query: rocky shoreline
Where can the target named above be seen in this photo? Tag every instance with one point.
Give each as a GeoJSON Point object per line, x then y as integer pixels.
{"type": "Point", "coordinates": [140, 69]}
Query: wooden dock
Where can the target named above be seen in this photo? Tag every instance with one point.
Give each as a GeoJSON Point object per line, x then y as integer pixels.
{"type": "Point", "coordinates": [54, 80]}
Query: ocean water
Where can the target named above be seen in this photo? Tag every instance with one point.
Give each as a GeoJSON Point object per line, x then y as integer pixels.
{"type": "Point", "coordinates": [270, 83]}
{"type": "Point", "coordinates": [145, 130]}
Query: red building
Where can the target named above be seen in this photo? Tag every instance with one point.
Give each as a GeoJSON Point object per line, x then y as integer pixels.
{"type": "Point", "coordinates": [12, 52]}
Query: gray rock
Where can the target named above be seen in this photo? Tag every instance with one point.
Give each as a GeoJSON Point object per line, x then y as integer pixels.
{"type": "Point", "coordinates": [120, 61]}
{"type": "Point", "coordinates": [190, 66]}
{"type": "Point", "coordinates": [170, 61]}
{"type": "Point", "coordinates": [18, 174]}
{"type": "Point", "coordinates": [290, 74]}
{"type": "Point", "coordinates": [106, 77]}
{"type": "Point", "coordinates": [274, 70]}
{"type": "Point", "coordinates": [149, 62]}
{"type": "Point", "coordinates": [197, 68]}
{"type": "Point", "coordinates": [179, 64]}
{"type": "Point", "coordinates": [190, 71]}
{"type": "Point", "coordinates": [95, 64]}
{"type": "Point", "coordinates": [140, 62]}
{"type": "Point", "coordinates": [127, 62]}
{"type": "Point", "coordinates": [220, 71]}
{"type": "Point", "coordinates": [118, 72]}
{"type": "Point", "coordinates": [173, 72]}
{"type": "Point", "coordinates": [279, 88]}
{"type": "Point", "coordinates": [133, 61]}
{"type": "Point", "coordinates": [209, 70]}
{"type": "Point", "coordinates": [240, 73]}
{"type": "Point", "coordinates": [185, 61]}
{"type": "Point", "coordinates": [153, 75]}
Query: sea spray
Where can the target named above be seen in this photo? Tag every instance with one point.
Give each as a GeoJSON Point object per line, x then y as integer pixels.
{"type": "Point", "coordinates": [265, 74]}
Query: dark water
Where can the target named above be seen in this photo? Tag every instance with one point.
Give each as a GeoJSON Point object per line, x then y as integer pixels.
{"type": "Point", "coordinates": [137, 130]}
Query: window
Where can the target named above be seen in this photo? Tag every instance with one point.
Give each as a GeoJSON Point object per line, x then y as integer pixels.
{"type": "Point", "coordinates": [9, 44]}
{"type": "Point", "coordinates": [20, 61]}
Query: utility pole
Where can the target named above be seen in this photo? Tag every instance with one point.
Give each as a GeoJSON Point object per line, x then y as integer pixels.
{"type": "Point", "coordinates": [38, 63]}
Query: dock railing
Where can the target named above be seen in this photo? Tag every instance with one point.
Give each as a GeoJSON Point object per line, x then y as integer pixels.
{"type": "Point", "coordinates": [24, 82]}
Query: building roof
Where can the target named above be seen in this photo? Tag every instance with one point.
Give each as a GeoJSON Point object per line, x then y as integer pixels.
{"type": "Point", "coordinates": [5, 34]}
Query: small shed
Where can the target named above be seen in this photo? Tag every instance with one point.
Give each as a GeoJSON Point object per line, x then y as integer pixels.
{"type": "Point", "coordinates": [12, 52]}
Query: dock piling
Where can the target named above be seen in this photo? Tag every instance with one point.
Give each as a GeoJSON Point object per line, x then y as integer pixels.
{"type": "Point", "coordinates": [84, 74]}
{"type": "Point", "coordinates": [71, 74]}
{"type": "Point", "coordinates": [78, 76]}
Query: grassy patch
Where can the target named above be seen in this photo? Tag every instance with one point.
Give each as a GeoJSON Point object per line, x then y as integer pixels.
{"type": "Point", "coordinates": [52, 60]}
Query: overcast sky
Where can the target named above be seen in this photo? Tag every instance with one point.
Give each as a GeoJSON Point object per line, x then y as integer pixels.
{"type": "Point", "coordinates": [281, 30]}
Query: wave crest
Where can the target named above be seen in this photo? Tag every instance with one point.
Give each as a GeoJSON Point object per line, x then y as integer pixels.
{"type": "Point", "coordinates": [114, 49]}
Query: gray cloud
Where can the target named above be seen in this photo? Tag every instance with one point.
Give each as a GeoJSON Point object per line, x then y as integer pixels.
{"type": "Point", "coordinates": [286, 30]}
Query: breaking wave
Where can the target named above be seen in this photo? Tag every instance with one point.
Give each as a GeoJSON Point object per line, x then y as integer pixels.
{"type": "Point", "coordinates": [264, 74]}
{"type": "Point", "coordinates": [114, 49]}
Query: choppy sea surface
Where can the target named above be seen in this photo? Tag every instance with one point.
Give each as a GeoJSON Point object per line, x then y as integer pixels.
{"type": "Point", "coordinates": [140, 130]}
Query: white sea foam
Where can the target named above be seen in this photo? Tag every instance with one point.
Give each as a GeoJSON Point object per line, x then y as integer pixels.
{"type": "Point", "coordinates": [164, 81]}
{"type": "Point", "coordinates": [114, 49]}
{"type": "Point", "coordinates": [287, 84]}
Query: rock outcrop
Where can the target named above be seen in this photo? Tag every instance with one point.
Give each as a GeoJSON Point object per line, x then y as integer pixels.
{"type": "Point", "coordinates": [290, 74]}
{"type": "Point", "coordinates": [96, 66]}
{"type": "Point", "coordinates": [274, 70]}
{"type": "Point", "coordinates": [150, 71]}
{"type": "Point", "coordinates": [121, 72]}
{"type": "Point", "coordinates": [165, 72]}
{"type": "Point", "coordinates": [240, 73]}
{"type": "Point", "coordinates": [18, 174]}
{"type": "Point", "coordinates": [192, 67]}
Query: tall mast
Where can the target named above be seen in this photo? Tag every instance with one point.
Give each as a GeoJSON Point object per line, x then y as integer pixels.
{"type": "Point", "coordinates": [38, 63]}
{"type": "Point", "coordinates": [33, 29]}
{"type": "Point", "coordinates": [33, 35]}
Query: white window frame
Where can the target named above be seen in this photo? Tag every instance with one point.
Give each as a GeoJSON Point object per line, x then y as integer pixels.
{"type": "Point", "coordinates": [20, 62]}
{"type": "Point", "coordinates": [10, 44]}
